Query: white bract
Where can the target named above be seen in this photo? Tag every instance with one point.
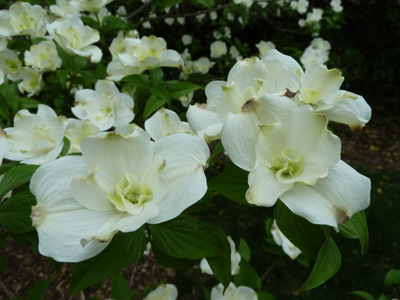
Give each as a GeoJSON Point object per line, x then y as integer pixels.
{"type": "Point", "coordinates": [316, 53]}
{"type": "Point", "coordinates": [36, 138]}
{"type": "Point", "coordinates": [75, 37]}
{"type": "Point", "coordinates": [10, 64]}
{"type": "Point", "coordinates": [233, 293]}
{"type": "Point", "coordinates": [149, 53]}
{"type": "Point", "coordinates": [92, 6]}
{"type": "Point", "coordinates": [43, 57]}
{"type": "Point", "coordinates": [5, 145]}
{"type": "Point", "coordinates": [77, 130]}
{"type": "Point", "coordinates": [27, 19]}
{"type": "Point", "coordinates": [63, 8]}
{"type": "Point", "coordinates": [31, 82]}
{"type": "Point", "coordinates": [105, 106]}
{"type": "Point", "coordinates": [280, 239]}
{"type": "Point", "coordinates": [235, 260]}
{"type": "Point", "coordinates": [121, 181]}
{"type": "Point", "coordinates": [298, 161]}
{"type": "Point", "coordinates": [166, 122]}
{"type": "Point", "coordinates": [264, 46]}
{"type": "Point", "coordinates": [163, 292]}
{"type": "Point", "coordinates": [218, 49]}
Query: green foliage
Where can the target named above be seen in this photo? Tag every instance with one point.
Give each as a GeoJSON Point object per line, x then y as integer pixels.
{"type": "Point", "coordinates": [15, 177]}
{"type": "Point", "coordinates": [121, 289]}
{"type": "Point", "coordinates": [38, 289]}
{"type": "Point", "coordinates": [356, 228]}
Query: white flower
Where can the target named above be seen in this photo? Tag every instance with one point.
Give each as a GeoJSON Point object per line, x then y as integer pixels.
{"type": "Point", "coordinates": [121, 11]}
{"type": "Point", "coordinates": [77, 130]}
{"type": "Point", "coordinates": [218, 49]}
{"type": "Point", "coordinates": [202, 65]}
{"type": "Point", "coordinates": [105, 106]}
{"type": "Point", "coordinates": [187, 39]}
{"type": "Point", "coordinates": [121, 181]}
{"type": "Point", "coordinates": [186, 99]}
{"type": "Point", "coordinates": [166, 122]}
{"type": "Point", "coordinates": [31, 82]}
{"type": "Point", "coordinates": [213, 15]}
{"type": "Point", "coordinates": [280, 239]}
{"type": "Point", "coordinates": [36, 138]}
{"type": "Point", "coordinates": [163, 292]}
{"type": "Point", "coordinates": [316, 53]}
{"type": "Point", "coordinates": [247, 3]}
{"type": "Point", "coordinates": [181, 20]}
{"type": "Point", "coordinates": [234, 52]}
{"type": "Point", "coordinates": [230, 16]}
{"type": "Point", "coordinates": [200, 17]}
{"type": "Point", "coordinates": [169, 21]}
{"type": "Point", "coordinates": [10, 64]}
{"type": "Point", "coordinates": [233, 292]}
{"type": "Point", "coordinates": [264, 46]}
{"type": "Point", "coordinates": [298, 162]}
{"type": "Point", "coordinates": [43, 56]}
{"type": "Point", "coordinates": [149, 53]}
{"type": "Point", "coordinates": [5, 145]}
{"type": "Point", "coordinates": [336, 5]}
{"type": "Point", "coordinates": [146, 24]}
{"type": "Point", "coordinates": [235, 260]}
{"type": "Point", "coordinates": [76, 38]}
{"type": "Point", "coordinates": [63, 8]}
{"type": "Point", "coordinates": [227, 32]}
{"type": "Point", "coordinates": [92, 6]}
{"type": "Point", "coordinates": [27, 19]}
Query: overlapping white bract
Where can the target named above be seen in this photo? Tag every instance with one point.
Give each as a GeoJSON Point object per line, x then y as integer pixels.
{"type": "Point", "coordinates": [121, 181]}
{"type": "Point", "coordinates": [36, 138]}
{"type": "Point", "coordinates": [280, 239]}
{"type": "Point", "coordinates": [233, 292]}
{"type": "Point", "coordinates": [105, 106]}
{"type": "Point", "coordinates": [164, 291]}
{"type": "Point", "coordinates": [272, 119]}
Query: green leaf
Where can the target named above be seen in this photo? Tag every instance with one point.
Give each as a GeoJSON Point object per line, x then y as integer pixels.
{"type": "Point", "coordinates": [16, 177]}
{"type": "Point", "coordinates": [37, 290]}
{"type": "Point", "coordinates": [328, 263]}
{"type": "Point", "coordinates": [141, 81]}
{"type": "Point", "coordinates": [244, 250]}
{"type": "Point", "coordinates": [383, 297]}
{"type": "Point", "coordinates": [113, 23]}
{"type": "Point", "coordinates": [247, 276]}
{"type": "Point", "coordinates": [124, 250]}
{"type": "Point", "coordinates": [168, 3]}
{"type": "Point", "coordinates": [221, 266]}
{"type": "Point", "coordinates": [264, 295]}
{"type": "Point", "coordinates": [363, 294]}
{"type": "Point", "coordinates": [306, 236]}
{"type": "Point", "coordinates": [62, 76]}
{"type": "Point", "coordinates": [120, 288]}
{"type": "Point", "coordinates": [356, 228]}
{"type": "Point", "coordinates": [187, 237]}
{"type": "Point", "coordinates": [19, 45]}
{"type": "Point", "coordinates": [25, 103]}
{"type": "Point", "coordinates": [232, 184]}
{"type": "Point", "coordinates": [171, 262]}
{"type": "Point", "coordinates": [157, 75]}
{"type": "Point", "coordinates": [218, 149]}
{"type": "Point", "coordinates": [161, 92]}
{"type": "Point", "coordinates": [206, 3]}
{"type": "Point", "coordinates": [91, 22]}
{"type": "Point", "coordinates": [80, 62]}
{"type": "Point", "coordinates": [182, 88]}
{"type": "Point", "coordinates": [152, 104]}
{"type": "Point", "coordinates": [15, 213]}
{"type": "Point", "coordinates": [392, 277]}
{"type": "Point", "coordinates": [66, 146]}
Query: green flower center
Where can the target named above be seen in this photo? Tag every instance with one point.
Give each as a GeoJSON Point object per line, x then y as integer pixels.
{"type": "Point", "coordinates": [286, 166]}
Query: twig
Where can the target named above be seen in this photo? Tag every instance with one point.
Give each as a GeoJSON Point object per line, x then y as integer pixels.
{"type": "Point", "coordinates": [4, 288]}
{"type": "Point", "coordinates": [270, 268]}
{"type": "Point", "coordinates": [136, 12]}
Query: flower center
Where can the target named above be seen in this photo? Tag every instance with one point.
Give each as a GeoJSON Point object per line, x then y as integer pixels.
{"type": "Point", "coordinates": [310, 96]}
{"type": "Point", "coordinates": [286, 166]}
{"type": "Point", "coordinates": [130, 194]}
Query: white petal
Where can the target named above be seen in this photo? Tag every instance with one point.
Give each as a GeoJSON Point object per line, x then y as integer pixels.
{"type": "Point", "coordinates": [264, 188]}
{"type": "Point", "coordinates": [334, 199]}
{"type": "Point", "coordinates": [200, 118]}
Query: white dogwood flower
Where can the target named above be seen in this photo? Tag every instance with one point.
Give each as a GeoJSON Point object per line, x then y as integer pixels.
{"type": "Point", "coordinates": [218, 49]}
{"type": "Point", "coordinates": [163, 292]}
{"type": "Point", "coordinates": [235, 260]}
{"type": "Point", "coordinates": [77, 130]}
{"type": "Point", "coordinates": [92, 6]}
{"type": "Point", "coordinates": [76, 38]}
{"type": "Point", "coordinates": [280, 239]}
{"type": "Point", "coordinates": [43, 57]}
{"type": "Point", "coordinates": [233, 292]}
{"type": "Point", "coordinates": [105, 106]}
{"type": "Point", "coordinates": [5, 145]}
{"type": "Point", "coordinates": [36, 138]}
{"type": "Point", "coordinates": [166, 122]}
{"type": "Point", "coordinates": [298, 161]}
{"type": "Point", "coordinates": [31, 83]}
{"type": "Point", "coordinates": [121, 181]}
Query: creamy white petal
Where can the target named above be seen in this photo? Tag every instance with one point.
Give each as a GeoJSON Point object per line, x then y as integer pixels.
{"type": "Point", "coordinates": [200, 118]}
{"type": "Point", "coordinates": [334, 199]}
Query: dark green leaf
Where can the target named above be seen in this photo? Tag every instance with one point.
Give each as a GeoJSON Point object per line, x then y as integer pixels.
{"type": "Point", "coordinates": [206, 3]}
{"type": "Point", "coordinates": [157, 76]}
{"type": "Point", "coordinates": [247, 276]}
{"type": "Point", "coordinates": [124, 250]}
{"type": "Point", "coordinates": [383, 297]}
{"type": "Point", "coordinates": [356, 228]}
{"type": "Point", "coordinates": [37, 290]}
{"type": "Point", "coordinates": [175, 263]}
{"type": "Point", "coordinates": [221, 267]}
{"type": "Point", "coordinates": [392, 277]}
{"type": "Point", "coordinates": [15, 213]}
{"type": "Point", "coordinates": [121, 289]}
{"type": "Point", "coordinates": [161, 92]}
{"type": "Point", "coordinates": [16, 177]}
{"type": "Point", "coordinates": [113, 23]}
{"type": "Point", "coordinates": [364, 295]}
{"type": "Point", "coordinates": [67, 145]}
{"type": "Point", "coordinates": [141, 81]}
{"type": "Point", "coordinates": [91, 22]}
{"type": "Point", "coordinates": [62, 76]}
{"type": "Point", "coordinates": [264, 295]}
{"type": "Point", "coordinates": [218, 149]}
{"type": "Point", "coordinates": [182, 88]}
{"type": "Point", "coordinates": [187, 237]}
{"type": "Point", "coordinates": [19, 45]}
{"type": "Point", "coordinates": [25, 103]}
{"type": "Point", "coordinates": [152, 104]}
{"type": "Point", "coordinates": [200, 205]}
{"type": "Point", "coordinates": [306, 236]}
{"type": "Point", "coordinates": [232, 183]}
{"type": "Point", "coordinates": [328, 263]}
{"type": "Point", "coordinates": [244, 250]}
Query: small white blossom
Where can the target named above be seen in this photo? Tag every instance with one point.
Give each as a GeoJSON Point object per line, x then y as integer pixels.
{"type": "Point", "coordinates": [336, 5]}
{"type": "Point", "coordinates": [233, 292]}
{"type": "Point", "coordinates": [31, 83]}
{"type": "Point", "coordinates": [43, 57]}
{"type": "Point", "coordinates": [77, 130]}
{"type": "Point", "coordinates": [281, 240]}
{"type": "Point", "coordinates": [163, 292]}
{"type": "Point", "coordinates": [187, 39]}
{"type": "Point", "coordinates": [213, 15]}
{"type": "Point", "coordinates": [264, 46]}
{"type": "Point", "coordinates": [218, 49]}
{"type": "Point", "coordinates": [169, 21]}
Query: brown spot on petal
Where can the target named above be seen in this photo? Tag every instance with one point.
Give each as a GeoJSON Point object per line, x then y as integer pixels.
{"type": "Point", "coordinates": [290, 94]}
{"type": "Point", "coordinates": [248, 106]}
